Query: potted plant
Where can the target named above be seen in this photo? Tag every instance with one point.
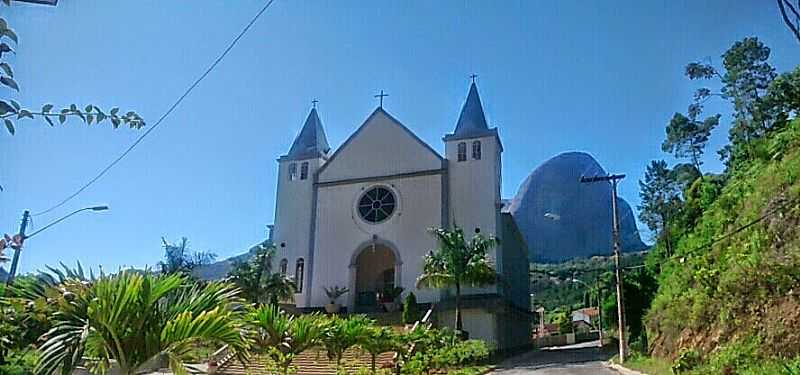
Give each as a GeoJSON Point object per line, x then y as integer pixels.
{"type": "Point", "coordinates": [212, 366]}
{"type": "Point", "coordinates": [389, 298]}
{"type": "Point", "coordinates": [333, 294]}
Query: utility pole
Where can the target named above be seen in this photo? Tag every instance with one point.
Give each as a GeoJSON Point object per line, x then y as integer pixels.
{"type": "Point", "coordinates": [613, 179]}
{"type": "Point", "coordinates": [599, 313]}
{"type": "Point", "coordinates": [26, 215]}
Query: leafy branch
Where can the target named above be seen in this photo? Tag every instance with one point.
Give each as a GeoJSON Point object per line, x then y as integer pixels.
{"type": "Point", "coordinates": [11, 110]}
{"type": "Point", "coordinates": [91, 114]}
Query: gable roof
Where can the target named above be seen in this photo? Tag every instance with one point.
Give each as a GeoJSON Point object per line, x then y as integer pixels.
{"type": "Point", "coordinates": [472, 121]}
{"type": "Point", "coordinates": [355, 134]}
{"type": "Point", "coordinates": [311, 142]}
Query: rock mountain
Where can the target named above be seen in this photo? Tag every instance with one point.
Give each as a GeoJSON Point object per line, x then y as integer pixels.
{"type": "Point", "coordinates": [562, 218]}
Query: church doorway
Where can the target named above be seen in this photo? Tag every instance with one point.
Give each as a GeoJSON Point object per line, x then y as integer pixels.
{"type": "Point", "coordinates": [376, 270]}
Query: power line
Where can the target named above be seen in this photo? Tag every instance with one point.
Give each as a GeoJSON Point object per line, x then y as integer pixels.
{"type": "Point", "coordinates": [164, 116]}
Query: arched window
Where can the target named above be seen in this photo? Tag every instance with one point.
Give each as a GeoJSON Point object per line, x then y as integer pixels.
{"type": "Point", "coordinates": [284, 266]}
{"type": "Point", "coordinates": [292, 172]}
{"type": "Point", "coordinates": [299, 272]}
{"type": "Point", "coordinates": [304, 170]}
{"type": "Point", "coordinates": [476, 150]}
{"type": "Point", "coordinates": [462, 151]}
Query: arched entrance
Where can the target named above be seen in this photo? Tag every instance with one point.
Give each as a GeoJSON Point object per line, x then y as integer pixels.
{"type": "Point", "coordinates": [375, 268]}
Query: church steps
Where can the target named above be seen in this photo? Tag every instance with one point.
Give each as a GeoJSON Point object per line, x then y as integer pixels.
{"type": "Point", "coordinates": [311, 362]}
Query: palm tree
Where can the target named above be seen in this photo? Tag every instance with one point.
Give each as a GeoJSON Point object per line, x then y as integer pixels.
{"type": "Point", "coordinates": [341, 334]}
{"type": "Point", "coordinates": [133, 317]}
{"type": "Point", "coordinates": [282, 336]}
{"type": "Point", "coordinates": [257, 281]}
{"type": "Point", "coordinates": [178, 257]}
{"type": "Point", "coordinates": [458, 263]}
{"type": "Point", "coordinates": [379, 340]}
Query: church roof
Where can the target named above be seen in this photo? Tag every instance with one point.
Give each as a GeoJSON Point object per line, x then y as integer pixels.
{"type": "Point", "coordinates": [472, 121]}
{"type": "Point", "coordinates": [311, 142]}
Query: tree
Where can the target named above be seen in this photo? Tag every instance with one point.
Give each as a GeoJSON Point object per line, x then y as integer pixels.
{"type": "Point", "coordinates": [379, 340]}
{"type": "Point", "coordinates": [794, 27]}
{"type": "Point", "coordinates": [660, 199]}
{"type": "Point", "coordinates": [410, 309]}
{"type": "Point", "coordinates": [458, 263]}
{"type": "Point", "coordinates": [178, 258]}
{"type": "Point", "coordinates": [687, 137]}
{"type": "Point", "coordinates": [284, 337]}
{"type": "Point", "coordinates": [257, 281]}
{"type": "Point", "coordinates": [746, 78]}
{"type": "Point", "coordinates": [341, 334]}
{"type": "Point", "coordinates": [10, 110]}
{"type": "Point", "coordinates": [132, 317]}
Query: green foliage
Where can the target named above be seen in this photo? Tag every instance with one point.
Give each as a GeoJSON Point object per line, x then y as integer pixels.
{"type": "Point", "coordinates": [178, 258]}
{"type": "Point", "coordinates": [379, 340]}
{"type": "Point", "coordinates": [131, 317]}
{"type": "Point", "coordinates": [687, 136]}
{"type": "Point", "coordinates": [335, 292]}
{"type": "Point", "coordinates": [457, 262]}
{"type": "Point", "coordinates": [10, 110]}
{"type": "Point", "coordinates": [257, 281]}
{"type": "Point", "coordinates": [341, 334]}
{"type": "Point", "coordinates": [552, 286]}
{"type": "Point", "coordinates": [441, 350]}
{"type": "Point", "coordinates": [737, 232]}
{"type": "Point", "coordinates": [410, 309]}
{"type": "Point", "coordinates": [563, 319]}
{"type": "Point", "coordinates": [687, 360]}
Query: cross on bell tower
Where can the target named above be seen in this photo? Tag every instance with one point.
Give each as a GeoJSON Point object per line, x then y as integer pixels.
{"type": "Point", "coordinates": [381, 96]}
{"type": "Point", "coordinates": [314, 103]}
{"type": "Point", "coordinates": [473, 76]}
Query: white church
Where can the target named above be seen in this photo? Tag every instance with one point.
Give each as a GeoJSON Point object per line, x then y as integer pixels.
{"type": "Point", "coordinates": [358, 217]}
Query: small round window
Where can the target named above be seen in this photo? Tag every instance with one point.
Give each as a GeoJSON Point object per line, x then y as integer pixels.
{"type": "Point", "coordinates": [376, 205]}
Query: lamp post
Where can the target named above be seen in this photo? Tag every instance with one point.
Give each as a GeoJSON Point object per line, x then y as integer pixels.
{"type": "Point", "coordinates": [599, 309]}
{"type": "Point", "coordinates": [17, 241]}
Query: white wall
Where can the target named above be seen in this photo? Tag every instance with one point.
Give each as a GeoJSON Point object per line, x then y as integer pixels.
{"type": "Point", "coordinates": [341, 233]}
{"type": "Point", "coordinates": [475, 191]}
{"type": "Point", "coordinates": [293, 218]}
{"type": "Point", "coordinates": [380, 147]}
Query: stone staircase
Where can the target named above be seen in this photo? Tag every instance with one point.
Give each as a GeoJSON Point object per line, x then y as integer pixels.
{"type": "Point", "coordinates": [310, 362]}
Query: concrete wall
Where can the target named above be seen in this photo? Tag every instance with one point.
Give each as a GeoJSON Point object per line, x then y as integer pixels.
{"type": "Point", "coordinates": [474, 192]}
{"type": "Point", "coordinates": [513, 265]}
{"type": "Point", "coordinates": [341, 234]}
{"type": "Point", "coordinates": [479, 323]}
{"type": "Point", "coordinates": [293, 207]}
{"type": "Point", "coordinates": [380, 147]}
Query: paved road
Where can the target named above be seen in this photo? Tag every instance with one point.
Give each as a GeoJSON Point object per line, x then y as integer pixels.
{"type": "Point", "coordinates": [579, 359]}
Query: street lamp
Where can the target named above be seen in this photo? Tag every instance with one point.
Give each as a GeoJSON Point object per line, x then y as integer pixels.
{"type": "Point", "coordinates": [599, 310]}
{"type": "Point", "coordinates": [17, 241]}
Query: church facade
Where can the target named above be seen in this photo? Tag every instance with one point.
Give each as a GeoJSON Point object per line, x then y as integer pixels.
{"type": "Point", "coordinates": [358, 217]}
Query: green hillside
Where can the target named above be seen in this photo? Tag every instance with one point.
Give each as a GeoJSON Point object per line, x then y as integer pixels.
{"type": "Point", "coordinates": [729, 295]}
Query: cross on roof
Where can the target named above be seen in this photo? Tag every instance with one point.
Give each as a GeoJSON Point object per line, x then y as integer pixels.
{"type": "Point", "coordinates": [314, 103]}
{"type": "Point", "coordinates": [381, 96]}
{"type": "Point", "coordinates": [473, 76]}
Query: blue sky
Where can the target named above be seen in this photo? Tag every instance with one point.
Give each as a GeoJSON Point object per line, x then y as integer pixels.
{"type": "Point", "coordinates": [554, 76]}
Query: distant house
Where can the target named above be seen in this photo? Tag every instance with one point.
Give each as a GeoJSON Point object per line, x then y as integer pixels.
{"type": "Point", "coordinates": [545, 330]}
{"type": "Point", "coordinates": [583, 319]}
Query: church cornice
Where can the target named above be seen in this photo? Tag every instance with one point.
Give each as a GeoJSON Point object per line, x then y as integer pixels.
{"type": "Point", "coordinates": [357, 180]}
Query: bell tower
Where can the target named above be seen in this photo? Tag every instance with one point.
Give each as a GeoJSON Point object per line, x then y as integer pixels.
{"type": "Point", "coordinates": [473, 153]}
{"type": "Point", "coordinates": [294, 207]}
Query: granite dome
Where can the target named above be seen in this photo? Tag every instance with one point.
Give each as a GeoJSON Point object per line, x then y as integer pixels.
{"type": "Point", "coordinates": [562, 218]}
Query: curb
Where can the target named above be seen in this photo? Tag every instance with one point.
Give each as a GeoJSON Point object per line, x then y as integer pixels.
{"type": "Point", "coordinates": [622, 369]}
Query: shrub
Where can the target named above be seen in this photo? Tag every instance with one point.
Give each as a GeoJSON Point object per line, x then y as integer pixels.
{"type": "Point", "coordinates": [410, 309]}
{"type": "Point", "coordinates": [687, 360]}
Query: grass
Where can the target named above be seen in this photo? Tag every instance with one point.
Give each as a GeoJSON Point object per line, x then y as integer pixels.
{"type": "Point", "coordinates": [648, 365]}
{"type": "Point", "coordinates": [472, 370]}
